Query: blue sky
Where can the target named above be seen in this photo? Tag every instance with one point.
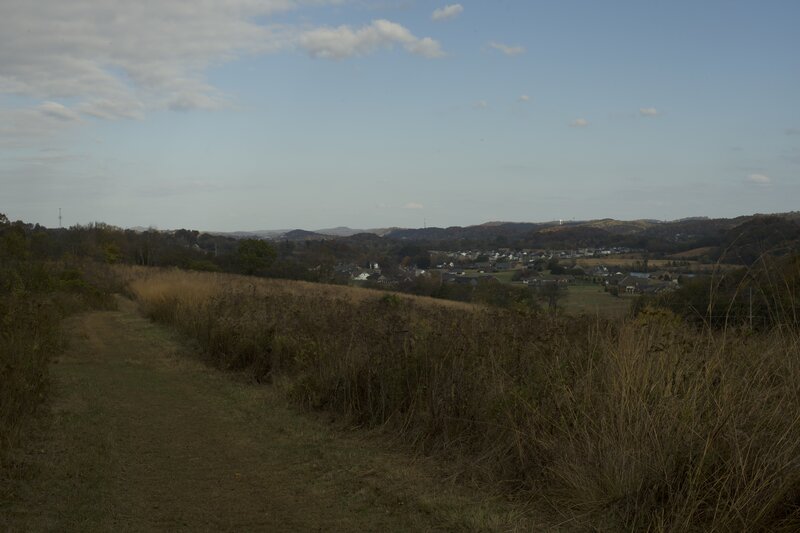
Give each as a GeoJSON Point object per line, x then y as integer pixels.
{"type": "Point", "coordinates": [256, 114]}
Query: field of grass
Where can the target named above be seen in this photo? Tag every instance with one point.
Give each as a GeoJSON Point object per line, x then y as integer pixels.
{"type": "Point", "coordinates": [504, 276]}
{"type": "Point", "coordinates": [141, 435]}
{"type": "Point", "coordinates": [215, 283]}
{"type": "Point", "coordinates": [636, 424]}
{"type": "Point", "coordinates": [629, 261]}
{"type": "Point", "coordinates": [594, 301]}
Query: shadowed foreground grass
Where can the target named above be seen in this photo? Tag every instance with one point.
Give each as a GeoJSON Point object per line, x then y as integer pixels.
{"type": "Point", "coordinates": [34, 297]}
{"type": "Point", "coordinates": [637, 425]}
{"type": "Point", "coordinates": [144, 436]}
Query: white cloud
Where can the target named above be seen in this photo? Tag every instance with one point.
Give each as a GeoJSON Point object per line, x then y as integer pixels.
{"type": "Point", "coordinates": [113, 109]}
{"type": "Point", "coordinates": [481, 104]}
{"type": "Point", "coordinates": [524, 98]}
{"type": "Point", "coordinates": [58, 111]}
{"type": "Point", "coordinates": [413, 205]}
{"type": "Point", "coordinates": [579, 123]}
{"type": "Point", "coordinates": [119, 59]}
{"type": "Point", "coordinates": [116, 58]}
{"type": "Point", "coordinates": [760, 179]}
{"type": "Point", "coordinates": [447, 12]}
{"type": "Point", "coordinates": [648, 112]}
{"type": "Point", "coordinates": [506, 49]}
{"type": "Point", "coordinates": [23, 128]}
{"type": "Point", "coordinates": [343, 41]}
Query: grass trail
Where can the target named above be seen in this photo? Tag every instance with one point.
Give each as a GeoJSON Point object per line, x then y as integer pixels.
{"type": "Point", "coordinates": [140, 435]}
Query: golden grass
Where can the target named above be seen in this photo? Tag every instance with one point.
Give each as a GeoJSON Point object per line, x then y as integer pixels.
{"type": "Point", "coordinates": [642, 424]}
{"type": "Point", "coordinates": [199, 286]}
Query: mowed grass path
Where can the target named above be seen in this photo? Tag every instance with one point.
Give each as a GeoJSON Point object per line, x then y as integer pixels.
{"type": "Point", "coordinates": [140, 435]}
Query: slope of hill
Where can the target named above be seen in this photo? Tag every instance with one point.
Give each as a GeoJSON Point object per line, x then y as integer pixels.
{"type": "Point", "coordinates": [758, 236]}
{"type": "Point", "coordinates": [506, 230]}
{"type": "Point", "coordinates": [303, 235]}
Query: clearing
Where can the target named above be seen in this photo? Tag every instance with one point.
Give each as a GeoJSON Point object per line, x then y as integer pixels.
{"type": "Point", "coordinates": [139, 434]}
{"type": "Point", "coordinates": [593, 300]}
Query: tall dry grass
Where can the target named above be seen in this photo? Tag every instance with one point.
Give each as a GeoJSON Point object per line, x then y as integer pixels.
{"type": "Point", "coordinates": [34, 297]}
{"type": "Point", "coordinates": [641, 425]}
{"type": "Point", "coordinates": [29, 336]}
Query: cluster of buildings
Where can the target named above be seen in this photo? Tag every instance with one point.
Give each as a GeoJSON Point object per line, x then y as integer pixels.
{"type": "Point", "coordinates": [641, 282]}
{"type": "Point", "coordinates": [474, 267]}
{"type": "Point", "coordinates": [508, 259]}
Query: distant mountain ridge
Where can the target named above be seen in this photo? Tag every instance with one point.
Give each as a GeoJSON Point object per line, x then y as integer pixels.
{"type": "Point", "coordinates": [660, 236]}
{"type": "Point", "coordinates": [301, 234]}
{"type": "Point", "coordinates": [743, 239]}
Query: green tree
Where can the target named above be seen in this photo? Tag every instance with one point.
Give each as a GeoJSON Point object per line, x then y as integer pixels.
{"type": "Point", "coordinates": [255, 255]}
{"type": "Point", "coordinates": [550, 293]}
{"type": "Point", "coordinates": [554, 267]}
{"type": "Point", "coordinates": [112, 254]}
{"type": "Point", "coordinates": [14, 243]}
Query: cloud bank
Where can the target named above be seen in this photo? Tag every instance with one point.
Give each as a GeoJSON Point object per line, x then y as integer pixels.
{"type": "Point", "coordinates": [760, 179]}
{"type": "Point", "coordinates": [119, 59]}
{"type": "Point", "coordinates": [343, 41]}
{"type": "Point", "coordinates": [447, 12]}
{"type": "Point", "coordinates": [506, 49]}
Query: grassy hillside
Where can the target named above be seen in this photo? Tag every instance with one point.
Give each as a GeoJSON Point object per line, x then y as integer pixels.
{"type": "Point", "coordinates": [642, 424]}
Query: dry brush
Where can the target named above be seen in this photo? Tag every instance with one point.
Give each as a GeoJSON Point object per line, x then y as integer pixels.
{"type": "Point", "coordinates": [640, 425]}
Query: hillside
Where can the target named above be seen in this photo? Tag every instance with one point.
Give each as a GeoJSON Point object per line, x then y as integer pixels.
{"type": "Point", "coordinates": [608, 425]}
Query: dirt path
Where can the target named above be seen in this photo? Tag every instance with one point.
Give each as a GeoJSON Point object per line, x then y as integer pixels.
{"type": "Point", "coordinates": [140, 435]}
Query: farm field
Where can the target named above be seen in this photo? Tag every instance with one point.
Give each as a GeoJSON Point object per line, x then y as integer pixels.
{"type": "Point", "coordinates": [590, 299]}
{"type": "Point", "coordinates": [580, 298]}
{"type": "Point", "coordinates": [630, 261]}
{"type": "Point", "coordinates": [504, 276]}
{"type": "Point", "coordinates": [625, 261]}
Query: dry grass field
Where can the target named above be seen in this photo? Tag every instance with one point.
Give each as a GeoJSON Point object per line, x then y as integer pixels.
{"type": "Point", "coordinates": [629, 261]}
{"type": "Point", "coordinates": [621, 261]}
{"type": "Point", "coordinates": [638, 424]}
{"type": "Point", "coordinates": [206, 285]}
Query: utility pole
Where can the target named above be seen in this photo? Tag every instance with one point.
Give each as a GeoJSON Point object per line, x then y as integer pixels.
{"type": "Point", "coordinates": [59, 218]}
{"type": "Point", "coordinates": [751, 308]}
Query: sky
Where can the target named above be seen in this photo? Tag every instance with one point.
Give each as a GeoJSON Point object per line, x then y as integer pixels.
{"type": "Point", "coordinates": [234, 115]}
